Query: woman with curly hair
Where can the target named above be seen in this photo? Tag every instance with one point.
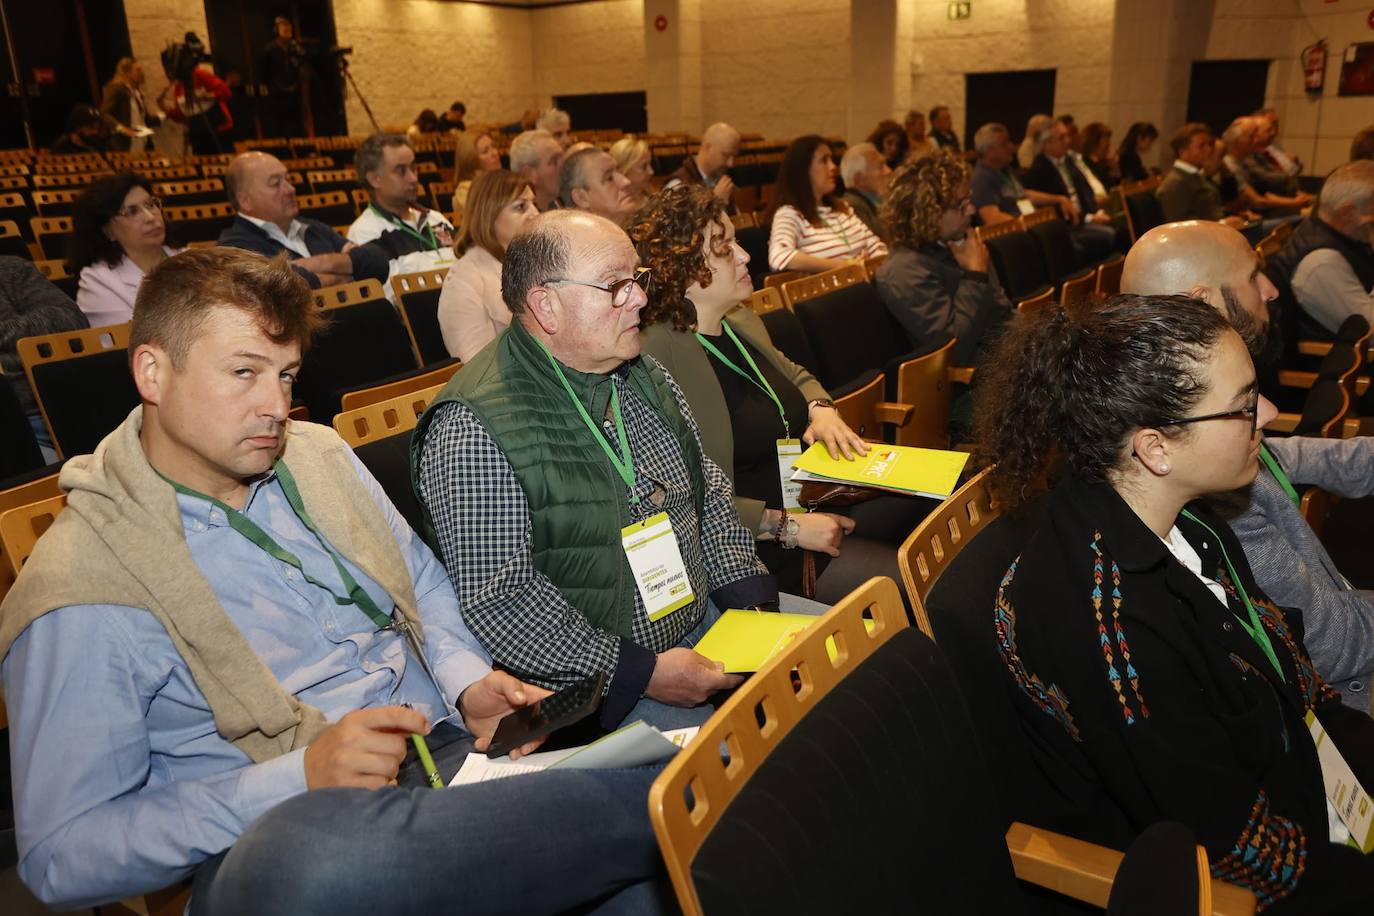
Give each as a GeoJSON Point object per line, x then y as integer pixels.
{"type": "Point", "coordinates": [813, 229]}
{"type": "Point", "coordinates": [937, 281]}
{"type": "Point", "coordinates": [1154, 679]}
{"type": "Point", "coordinates": [745, 394]}
{"type": "Point", "coordinates": [118, 235]}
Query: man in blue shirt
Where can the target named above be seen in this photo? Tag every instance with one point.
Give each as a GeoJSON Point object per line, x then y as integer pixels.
{"type": "Point", "coordinates": [214, 657]}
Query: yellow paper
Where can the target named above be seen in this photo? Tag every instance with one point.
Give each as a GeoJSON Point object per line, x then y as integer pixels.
{"type": "Point", "coordinates": [744, 640]}
{"type": "Point", "coordinates": [901, 469]}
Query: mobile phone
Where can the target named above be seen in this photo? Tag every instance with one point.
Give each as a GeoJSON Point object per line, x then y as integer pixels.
{"type": "Point", "coordinates": [543, 717]}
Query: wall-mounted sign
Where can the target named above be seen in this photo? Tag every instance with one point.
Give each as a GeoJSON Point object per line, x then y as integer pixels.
{"type": "Point", "coordinates": [1357, 70]}
{"type": "Point", "coordinates": [960, 9]}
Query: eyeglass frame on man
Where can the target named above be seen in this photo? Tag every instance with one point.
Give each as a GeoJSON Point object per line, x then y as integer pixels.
{"type": "Point", "coordinates": [152, 205]}
{"type": "Point", "coordinates": [641, 278]}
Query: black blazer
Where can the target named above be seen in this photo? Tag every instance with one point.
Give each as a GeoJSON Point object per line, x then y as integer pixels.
{"type": "Point", "coordinates": [1043, 176]}
{"type": "Point", "coordinates": [1147, 701]}
{"type": "Point", "coordinates": [369, 262]}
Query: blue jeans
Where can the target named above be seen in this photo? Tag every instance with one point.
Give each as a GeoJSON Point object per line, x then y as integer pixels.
{"type": "Point", "coordinates": [664, 717]}
{"type": "Point", "coordinates": [550, 842]}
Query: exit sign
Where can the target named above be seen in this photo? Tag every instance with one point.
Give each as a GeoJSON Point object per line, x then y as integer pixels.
{"type": "Point", "coordinates": [960, 9]}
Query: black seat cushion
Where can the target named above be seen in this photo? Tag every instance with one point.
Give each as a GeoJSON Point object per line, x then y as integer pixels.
{"type": "Point", "coordinates": [1057, 248]}
{"type": "Point", "coordinates": [754, 241]}
{"type": "Point", "coordinates": [86, 397]}
{"type": "Point", "coordinates": [361, 344]}
{"type": "Point", "coordinates": [422, 310]}
{"type": "Point", "coordinates": [18, 448]}
{"type": "Point", "coordinates": [1166, 848]}
{"type": "Point", "coordinates": [340, 214]}
{"type": "Point", "coordinates": [388, 460]}
{"type": "Point", "coordinates": [1146, 213]}
{"type": "Point", "coordinates": [876, 802]}
{"type": "Point", "coordinates": [851, 333]}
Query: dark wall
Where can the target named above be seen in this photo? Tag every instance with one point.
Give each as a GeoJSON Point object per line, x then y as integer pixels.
{"type": "Point", "coordinates": [66, 50]}
{"type": "Point", "coordinates": [1219, 91]}
{"type": "Point", "coordinates": [1008, 98]}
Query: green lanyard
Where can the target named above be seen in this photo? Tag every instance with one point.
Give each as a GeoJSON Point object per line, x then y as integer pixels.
{"type": "Point", "coordinates": [1253, 627]}
{"type": "Point", "coordinates": [1011, 182]}
{"type": "Point", "coordinates": [838, 229]}
{"type": "Point", "coordinates": [249, 529]}
{"type": "Point", "coordinates": [427, 237]}
{"type": "Point", "coordinates": [625, 467]}
{"type": "Point", "coordinates": [758, 378]}
{"type": "Point", "coordinates": [1272, 464]}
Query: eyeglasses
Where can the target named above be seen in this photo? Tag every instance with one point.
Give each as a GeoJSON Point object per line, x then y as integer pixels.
{"type": "Point", "coordinates": [619, 290]}
{"type": "Point", "coordinates": [152, 205]}
{"type": "Point", "coordinates": [1245, 413]}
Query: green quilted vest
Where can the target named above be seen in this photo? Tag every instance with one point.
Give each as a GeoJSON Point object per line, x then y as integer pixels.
{"type": "Point", "coordinates": [576, 499]}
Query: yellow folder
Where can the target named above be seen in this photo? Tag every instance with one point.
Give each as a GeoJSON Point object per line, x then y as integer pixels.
{"type": "Point", "coordinates": [898, 468]}
{"type": "Point", "coordinates": [744, 640]}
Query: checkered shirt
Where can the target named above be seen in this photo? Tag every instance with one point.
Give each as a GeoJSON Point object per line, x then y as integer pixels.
{"type": "Point", "coordinates": [481, 520]}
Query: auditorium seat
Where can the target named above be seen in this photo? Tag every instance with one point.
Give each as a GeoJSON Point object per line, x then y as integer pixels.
{"type": "Point", "coordinates": [417, 298]}
{"type": "Point", "coordinates": [330, 208]}
{"type": "Point", "coordinates": [200, 222]}
{"type": "Point", "coordinates": [82, 383]}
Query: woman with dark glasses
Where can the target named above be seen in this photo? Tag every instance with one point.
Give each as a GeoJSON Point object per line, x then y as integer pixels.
{"type": "Point", "coordinates": [118, 235]}
{"type": "Point", "coordinates": [1155, 680]}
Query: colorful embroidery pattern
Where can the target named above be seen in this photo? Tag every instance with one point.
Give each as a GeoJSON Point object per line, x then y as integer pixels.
{"type": "Point", "coordinates": [1113, 640]}
{"type": "Point", "coordinates": [1050, 700]}
{"type": "Point", "coordinates": [1269, 856]}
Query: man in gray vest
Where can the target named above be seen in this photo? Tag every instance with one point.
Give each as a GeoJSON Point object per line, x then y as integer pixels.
{"type": "Point", "coordinates": [582, 526]}
{"type": "Point", "coordinates": [214, 657]}
{"type": "Point", "coordinates": [1213, 262]}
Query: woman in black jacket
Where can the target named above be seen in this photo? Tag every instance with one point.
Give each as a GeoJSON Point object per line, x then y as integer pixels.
{"type": "Point", "coordinates": [1154, 678]}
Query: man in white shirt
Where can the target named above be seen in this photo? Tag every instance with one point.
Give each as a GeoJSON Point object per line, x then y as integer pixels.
{"type": "Point", "coordinates": [268, 222]}
{"type": "Point", "coordinates": [536, 156]}
{"type": "Point", "coordinates": [415, 237]}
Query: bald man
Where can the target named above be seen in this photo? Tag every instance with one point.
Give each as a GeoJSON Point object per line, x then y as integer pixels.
{"type": "Point", "coordinates": [719, 147]}
{"type": "Point", "coordinates": [269, 223]}
{"type": "Point", "coordinates": [1213, 262]}
{"type": "Point", "coordinates": [552, 440]}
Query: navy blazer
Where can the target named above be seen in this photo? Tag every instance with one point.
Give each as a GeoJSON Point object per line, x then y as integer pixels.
{"type": "Point", "coordinates": [368, 261]}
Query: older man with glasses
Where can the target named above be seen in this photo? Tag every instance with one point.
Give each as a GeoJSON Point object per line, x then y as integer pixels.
{"type": "Point", "coordinates": [564, 482]}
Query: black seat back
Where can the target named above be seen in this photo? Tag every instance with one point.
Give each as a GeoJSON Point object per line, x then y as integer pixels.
{"type": "Point", "coordinates": [851, 333]}
{"type": "Point", "coordinates": [422, 311]}
{"type": "Point", "coordinates": [86, 397]}
{"type": "Point", "coordinates": [1056, 247]}
{"type": "Point", "coordinates": [361, 344]}
{"type": "Point", "coordinates": [388, 460]}
{"type": "Point", "coordinates": [754, 241]}
{"type": "Point", "coordinates": [875, 802]}
{"type": "Point", "coordinates": [788, 336]}
{"type": "Point", "coordinates": [1020, 265]}
{"type": "Point", "coordinates": [1146, 212]}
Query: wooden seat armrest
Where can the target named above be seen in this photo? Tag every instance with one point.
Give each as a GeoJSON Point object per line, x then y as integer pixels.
{"type": "Point", "coordinates": [1350, 427]}
{"type": "Point", "coordinates": [1283, 423]}
{"type": "Point", "coordinates": [1085, 871]}
{"type": "Point", "coordinates": [1361, 385]}
{"type": "Point", "coordinates": [300, 412]}
{"type": "Point", "coordinates": [1294, 378]}
{"type": "Point", "coordinates": [962, 375]}
{"type": "Point", "coordinates": [1314, 347]}
{"type": "Point", "coordinates": [895, 413]}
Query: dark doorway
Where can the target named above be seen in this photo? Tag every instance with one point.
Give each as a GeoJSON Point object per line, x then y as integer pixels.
{"type": "Point", "coordinates": [65, 50]}
{"type": "Point", "coordinates": [1219, 91]}
{"type": "Point", "coordinates": [628, 111]}
{"type": "Point", "coordinates": [1009, 98]}
{"type": "Point", "coordinates": [240, 32]}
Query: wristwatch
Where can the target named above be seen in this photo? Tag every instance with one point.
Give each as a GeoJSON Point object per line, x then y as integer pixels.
{"type": "Point", "coordinates": [819, 402]}
{"type": "Point", "coordinates": [787, 531]}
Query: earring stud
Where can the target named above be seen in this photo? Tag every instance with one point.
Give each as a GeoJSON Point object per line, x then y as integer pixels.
{"type": "Point", "coordinates": [1164, 468]}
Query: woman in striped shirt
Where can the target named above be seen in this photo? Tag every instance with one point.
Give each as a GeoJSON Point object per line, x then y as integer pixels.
{"type": "Point", "coordinates": [814, 230]}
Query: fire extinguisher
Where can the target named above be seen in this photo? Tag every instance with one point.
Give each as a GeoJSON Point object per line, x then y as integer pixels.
{"type": "Point", "coordinates": [1314, 66]}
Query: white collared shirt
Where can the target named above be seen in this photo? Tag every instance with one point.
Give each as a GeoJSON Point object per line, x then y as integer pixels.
{"type": "Point", "coordinates": [293, 238]}
{"type": "Point", "coordinates": [1093, 181]}
{"type": "Point", "coordinates": [1187, 168]}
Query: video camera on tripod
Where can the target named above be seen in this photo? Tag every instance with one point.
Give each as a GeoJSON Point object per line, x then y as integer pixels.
{"type": "Point", "coordinates": [180, 59]}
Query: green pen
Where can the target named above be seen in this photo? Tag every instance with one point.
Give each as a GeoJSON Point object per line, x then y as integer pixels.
{"type": "Point", "coordinates": [435, 780]}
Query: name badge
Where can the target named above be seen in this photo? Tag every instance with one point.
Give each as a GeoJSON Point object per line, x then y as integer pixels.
{"type": "Point", "coordinates": [656, 562]}
{"type": "Point", "coordinates": [789, 450]}
{"type": "Point", "coordinates": [1349, 799]}
{"type": "Point", "coordinates": [1025, 206]}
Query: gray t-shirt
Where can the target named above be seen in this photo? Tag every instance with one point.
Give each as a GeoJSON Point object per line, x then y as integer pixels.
{"type": "Point", "coordinates": [990, 188]}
